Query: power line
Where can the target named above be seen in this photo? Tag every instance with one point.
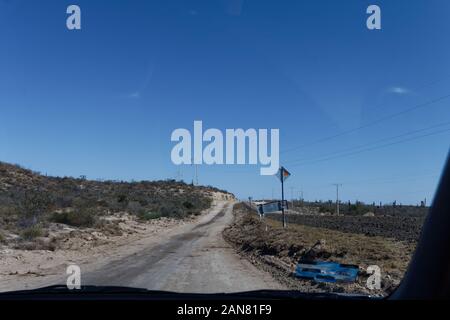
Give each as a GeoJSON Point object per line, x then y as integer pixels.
{"type": "Point", "coordinates": [394, 180]}
{"type": "Point", "coordinates": [375, 142]}
{"type": "Point", "coordinates": [389, 117]}
{"type": "Point", "coordinates": [374, 148]}
{"type": "Point", "coordinates": [383, 180]}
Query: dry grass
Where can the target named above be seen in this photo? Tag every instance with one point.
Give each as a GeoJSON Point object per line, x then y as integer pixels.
{"type": "Point", "coordinates": [267, 239]}
{"type": "Point", "coordinates": [390, 255]}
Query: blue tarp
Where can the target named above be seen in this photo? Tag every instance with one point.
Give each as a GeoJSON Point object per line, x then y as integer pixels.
{"type": "Point", "coordinates": [321, 271]}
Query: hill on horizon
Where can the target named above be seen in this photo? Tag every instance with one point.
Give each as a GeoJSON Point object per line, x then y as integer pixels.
{"type": "Point", "coordinates": [30, 201]}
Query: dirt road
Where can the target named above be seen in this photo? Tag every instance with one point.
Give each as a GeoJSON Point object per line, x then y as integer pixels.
{"type": "Point", "coordinates": [191, 258]}
{"type": "Point", "coordinates": [196, 260]}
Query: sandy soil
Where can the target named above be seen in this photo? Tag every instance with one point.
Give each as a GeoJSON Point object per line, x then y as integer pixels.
{"type": "Point", "coordinates": [21, 269]}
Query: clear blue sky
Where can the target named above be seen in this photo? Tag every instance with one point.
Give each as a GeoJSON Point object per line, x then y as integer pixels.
{"type": "Point", "coordinates": [103, 101]}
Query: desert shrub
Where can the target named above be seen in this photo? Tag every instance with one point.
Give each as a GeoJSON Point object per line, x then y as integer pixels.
{"type": "Point", "coordinates": [78, 218]}
{"type": "Point", "coordinates": [134, 207]}
{"type": "Point", "coordinates": [103, 203]}
{"type": "Point", "coordinates": [8, 213]}
{"type": "Point", "coordinates": [170, 210]}
{"type": "Point", "coordinates": [326, 209]}
{"type": "Point", "coordinates": [149, 215]}
{"type": "Point", "coordinates": [188, 205]}
{"type": "Point", "coordinates": [122, 198]}
{"type": "Point", "coordinates": [32, 232]}
{"type": "Point", "coordinates": [33, 205]}
{"type": "Point", "coordinates": [357, 209]}
{"type": "Point", "coordinates": [143, 202]}
{"type": "Point", "coordinates": [64, 202]}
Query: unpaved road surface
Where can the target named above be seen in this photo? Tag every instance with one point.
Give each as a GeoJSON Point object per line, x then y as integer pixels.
{"type": "Point", "coordinates": [197, 260]}
{"type": "Point", "coordinates": [191, 258]}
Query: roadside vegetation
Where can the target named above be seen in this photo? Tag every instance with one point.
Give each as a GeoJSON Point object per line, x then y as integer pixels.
{"type": "Point", "coordinates": [31, 202]}
{"type": "Point", "coordinates": [359, 208]}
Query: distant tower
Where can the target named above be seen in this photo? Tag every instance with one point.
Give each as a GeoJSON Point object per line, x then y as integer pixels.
{"type": "Point", "coordinates": [195, 179]}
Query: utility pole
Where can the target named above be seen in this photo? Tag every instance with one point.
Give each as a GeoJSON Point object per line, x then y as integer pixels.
{"type": "Point", "coordinates": [196, 174]}
{"type": "Point", "coordinates": [337, 197]}
{"type": "Point", "coordinates": [282, 196]}
{"type": "Point", "coordinates": [300, 194]}
{"type": "Point", "coordinates": [292, 196]}
{"type": "Point", "coordinates": [195, 179]}
{"type": "Point", "coordinates": [179, 175]}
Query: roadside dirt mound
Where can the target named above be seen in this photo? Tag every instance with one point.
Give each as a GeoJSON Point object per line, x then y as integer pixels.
{"type": "Point", "coordinates": [278, 250]}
